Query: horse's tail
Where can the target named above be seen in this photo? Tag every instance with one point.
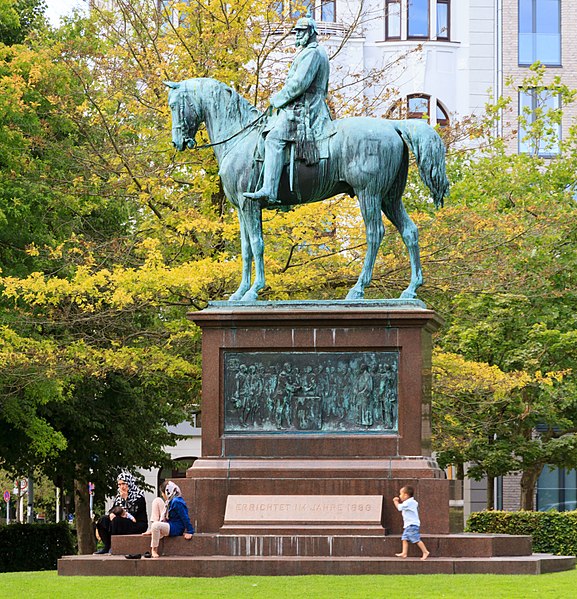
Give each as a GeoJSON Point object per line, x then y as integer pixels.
{"type": "Point", "coordinates": [429, 150]}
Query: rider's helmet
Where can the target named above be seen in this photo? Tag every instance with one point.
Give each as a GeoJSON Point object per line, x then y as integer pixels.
{"type": "Point", "coordinates": [306, 22]}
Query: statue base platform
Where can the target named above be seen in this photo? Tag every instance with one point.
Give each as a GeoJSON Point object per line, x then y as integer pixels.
{"type": "Point", "coordinates": [348, 436]}
{"type": "Point", "coordinates": [215, 555]}
{"type": "Point", "coordinates": [316, 398]}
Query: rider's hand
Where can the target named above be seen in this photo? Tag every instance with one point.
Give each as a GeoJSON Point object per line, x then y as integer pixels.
{"type": "Point", "coordinates": [275, 102]}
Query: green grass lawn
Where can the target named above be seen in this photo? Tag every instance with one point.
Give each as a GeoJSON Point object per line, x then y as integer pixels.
{"type": "Point", "coordinates": [48, 584]}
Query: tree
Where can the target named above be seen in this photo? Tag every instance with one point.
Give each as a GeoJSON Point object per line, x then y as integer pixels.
{"type": "Point", "coordinates": [486, 419]}
{"type": "Point", "coordinates": [504, 276]}
{"type": "Point", "coordinates": [19, 18]}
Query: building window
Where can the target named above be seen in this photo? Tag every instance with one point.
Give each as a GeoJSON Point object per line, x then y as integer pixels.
{"type": "Point", "coordinates": [539, 134]}
{"type": "Point", "coordinates": [442, 116]}
{"type": "Point", "coordinates": [557, 490]}
{"type": "Point", "coordinates": [418, 106]}
{"type": "Point", "coordinates": [393, 19]}
{"type": "Point", "coordinates": [302, 8]}
{"type": "Point", "coordinates": [443, 20]}
{"type": "Point", "coordinates": [418, 18]}
{"type": "Point", "coordinates": [416, 15]}
{"type": "Point", "coordinates": [540, 32]}
{"type": "Point", "coordinates": [328, 11]}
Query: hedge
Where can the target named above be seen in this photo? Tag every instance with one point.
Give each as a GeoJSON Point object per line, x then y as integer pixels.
{"type": "Point", "coordinates": [552, 532]}
{"type": "Point", "coordinates": [31, 547]}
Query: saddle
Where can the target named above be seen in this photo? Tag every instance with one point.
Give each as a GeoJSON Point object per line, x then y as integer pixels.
{"type": "Point", "coordinates": [301, 162]}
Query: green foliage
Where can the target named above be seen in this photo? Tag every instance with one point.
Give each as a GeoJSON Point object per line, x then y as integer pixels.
{"type": "Point", "coordinates": [18, 18]}
{"type": "Point", "coordinates": [552, 532]}
{"type": "Point", "coordinates": [502, 270]}
{"type": "Point", "coordinates": [29, 547]}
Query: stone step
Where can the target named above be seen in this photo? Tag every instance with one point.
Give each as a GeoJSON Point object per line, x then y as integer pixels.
{"type": "Point", "coordinates": [217, 566]}
{"type": "Point", "coordinates": [450, 546]}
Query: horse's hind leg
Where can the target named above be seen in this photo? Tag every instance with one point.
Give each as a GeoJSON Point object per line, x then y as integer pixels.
{"type": "Point", "coordinates": [370, 205]}
{"type": "Point", "coordinates": [252, 216]}
{"type": "Point", "coordinates": [396, 213]}
{"type": "Point", "coordinates": [246, 253]}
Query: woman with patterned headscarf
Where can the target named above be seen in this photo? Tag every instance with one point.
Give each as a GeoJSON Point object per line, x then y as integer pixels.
{"type": "Point", "coordinates": [127, 515]}
{"type": "Point", "coordinates": [174, 520]}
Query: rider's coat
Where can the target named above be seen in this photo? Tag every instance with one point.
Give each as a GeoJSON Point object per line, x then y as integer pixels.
{"type": "Point", "coordinates": [301, 101]}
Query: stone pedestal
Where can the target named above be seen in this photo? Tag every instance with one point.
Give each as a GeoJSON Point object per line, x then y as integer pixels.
{"type": "Point", "coordinates": [319, 479]}
{"type": "Point", "coordinates": [316, 398]}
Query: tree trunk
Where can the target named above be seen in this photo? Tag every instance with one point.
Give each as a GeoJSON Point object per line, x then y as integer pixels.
{"type": "Point", "coordinates": [490, 493]}
{"type": "Point", "coordinates": [461, 471]}
{"type": "Point", "coordinates": [528, 483]}
{"type": "Point", "coordinates": [84, 528]}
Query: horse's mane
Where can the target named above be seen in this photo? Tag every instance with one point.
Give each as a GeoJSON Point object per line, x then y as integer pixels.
{"type": "Point", "coordinates": [247, 112]}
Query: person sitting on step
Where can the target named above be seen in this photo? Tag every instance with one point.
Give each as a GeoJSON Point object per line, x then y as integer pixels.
{"type": "Point", "coordinates": [174, 521]}
{"type": "Point", "coordinates": [128, 513]}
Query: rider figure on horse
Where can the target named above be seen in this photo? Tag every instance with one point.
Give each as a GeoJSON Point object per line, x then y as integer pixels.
{"type": "Point", "coordinates": [302, 114]}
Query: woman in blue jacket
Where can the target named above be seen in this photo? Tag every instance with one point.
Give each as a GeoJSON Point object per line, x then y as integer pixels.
{"type": "Point", "coordinates": [174, 521]}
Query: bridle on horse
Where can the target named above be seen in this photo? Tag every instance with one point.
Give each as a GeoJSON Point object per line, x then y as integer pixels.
{"type": "Point", "coordinates": [184, 117]}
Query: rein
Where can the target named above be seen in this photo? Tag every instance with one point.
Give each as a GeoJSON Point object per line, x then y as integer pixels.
{"type": "Point", "coordinates": [265, 114]}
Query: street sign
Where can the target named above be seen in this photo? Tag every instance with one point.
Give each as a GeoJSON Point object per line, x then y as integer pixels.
{"type": "Point", "coordinates": [6, 496]}
{"type": "Point", "coordinates": [23, 485]}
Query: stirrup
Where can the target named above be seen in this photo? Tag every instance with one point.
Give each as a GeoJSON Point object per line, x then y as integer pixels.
{"type": "Point", "coordinates": [259, 194]}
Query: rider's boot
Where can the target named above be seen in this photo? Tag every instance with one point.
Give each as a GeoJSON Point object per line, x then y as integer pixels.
{"type": "Point", "coordinates": [273, 164]}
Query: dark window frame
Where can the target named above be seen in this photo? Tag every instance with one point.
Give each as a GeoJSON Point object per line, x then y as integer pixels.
{"type": "Point", "coordinates": [418, 115]}
{"type": "Point", "coordinates": [419, 37]}
{"type": "Point", "coordinates": [296, 14]}
{"type": "Point", "coordinates": [334, 3]}
{"type": "Point", "coordinates": [387, 4]}
{"type": "Point", "coordinates": [448, 36]}
{"type": "Point", "coordinates": [401, 110]}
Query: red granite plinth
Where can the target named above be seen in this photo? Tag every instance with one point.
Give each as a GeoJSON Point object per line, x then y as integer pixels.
{"type": "Point", "coordinates": [300, 478]}
{"type": "Point", "coordinates": [333, 463]}
{"type": "Point", "coordinates": [295, 544]}
{"type": "Point", "coordinates": [291, 554]}
{"type": "Point", "coordinates": [371, 462]}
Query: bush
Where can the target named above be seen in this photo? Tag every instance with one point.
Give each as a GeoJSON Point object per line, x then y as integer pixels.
{"type": "Point", "coordinates": [552, 532]}
{"type": "Point", "coordinates": [30, 547]}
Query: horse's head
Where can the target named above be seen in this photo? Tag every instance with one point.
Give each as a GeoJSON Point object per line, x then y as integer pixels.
{"type": "Point", "coordinates": [185, 116]}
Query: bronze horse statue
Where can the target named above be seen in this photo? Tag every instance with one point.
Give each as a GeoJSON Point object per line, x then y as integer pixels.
{"type": "Point", "coordinates": [369, 158]}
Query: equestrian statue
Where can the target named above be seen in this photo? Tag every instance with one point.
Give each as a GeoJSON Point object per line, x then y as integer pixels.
{"type": "Point", "coordinates": [294, 153]}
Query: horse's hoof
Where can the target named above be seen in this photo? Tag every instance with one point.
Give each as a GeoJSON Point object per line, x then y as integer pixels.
{"type": "Point", "coordinates": [250, 296]}
{"type": "Point", "coordinates": [354, 294]}
{"type": "Point", "coordinates": [408, 295]}
{"type": "Point", "coordinates": [235, 297]}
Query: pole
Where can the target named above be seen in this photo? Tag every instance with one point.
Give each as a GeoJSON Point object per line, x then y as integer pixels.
{"type": "Point", "coordinates": [91, 494]}
{"type": "Point", "coordinates": [30, 508]}
{"type": "Point", "coordinates": [7, 512]}
{"type": "Point", "coordinates": [57, 504]}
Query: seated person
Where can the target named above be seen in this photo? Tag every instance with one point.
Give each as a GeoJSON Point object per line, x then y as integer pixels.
{"type": "Point", "coordinates": [156, 511]}
{"type": "Point", "coordinates": [128, 513]}
{"type": "Point", "coordinates": [174, 521]}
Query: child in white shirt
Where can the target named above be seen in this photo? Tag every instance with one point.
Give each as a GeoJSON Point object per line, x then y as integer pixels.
{"type": "Point", "coordinates": [408, 506]}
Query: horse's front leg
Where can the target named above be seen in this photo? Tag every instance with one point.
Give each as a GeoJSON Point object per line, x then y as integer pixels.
{"type": "Point", "coordinates": [252, 214]}
{"type": "Point", "coordinates": [375, 230]}
{"type": "Point", "coordinates": [246, 253]}
{"type": "Point", "coordinates": [396, 213]}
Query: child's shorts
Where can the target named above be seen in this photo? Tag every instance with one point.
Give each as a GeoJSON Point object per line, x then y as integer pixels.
{"type": "Point", "coordinates": [411, 534]}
